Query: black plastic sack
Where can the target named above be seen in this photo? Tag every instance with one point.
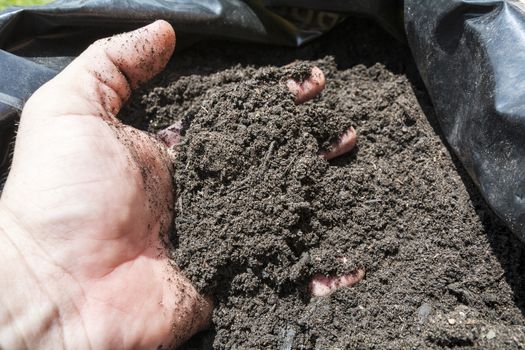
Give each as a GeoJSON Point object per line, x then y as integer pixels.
{"type": "Point", "coordinates": [470, 54]}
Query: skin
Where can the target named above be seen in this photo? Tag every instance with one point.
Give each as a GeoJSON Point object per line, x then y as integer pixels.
{"type": "Point", "coordinates": [87, 206]}
{"type": "Point", "coordinates": [322, 286]}
{"type": "Point", "coordinates": [85, 211]}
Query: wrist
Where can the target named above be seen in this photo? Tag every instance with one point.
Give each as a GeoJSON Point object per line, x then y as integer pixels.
{"type": "Point", "coordinates": [34, 311]}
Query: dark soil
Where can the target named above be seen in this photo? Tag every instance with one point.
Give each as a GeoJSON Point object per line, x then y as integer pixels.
{"type": "Point", "coordinates": [259, 212]}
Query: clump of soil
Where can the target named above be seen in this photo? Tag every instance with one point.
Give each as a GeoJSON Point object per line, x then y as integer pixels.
{"type": "Point", "coordinates": [259, 212]}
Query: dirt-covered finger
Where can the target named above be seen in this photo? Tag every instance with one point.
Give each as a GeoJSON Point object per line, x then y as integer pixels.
{"type": "Point", "coordinates": [344, 144]}
{"type": "Point", "coordinates": [170, 136]}
{"type": "Point", "coordinates": [307, 89]}
{"type": "Point", "coordinates": [322, 285]}
{"type": "Point", "coordinates": [101, 79]}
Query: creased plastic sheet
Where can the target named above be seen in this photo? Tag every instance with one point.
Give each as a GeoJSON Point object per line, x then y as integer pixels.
{"type": "Point", "coordinates": [471, 55]}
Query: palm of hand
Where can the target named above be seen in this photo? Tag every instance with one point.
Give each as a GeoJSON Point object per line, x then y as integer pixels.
{"type": "Point", "coordinates": [101, 200]}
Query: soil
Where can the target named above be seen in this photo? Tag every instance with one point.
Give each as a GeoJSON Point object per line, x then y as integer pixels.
{"type": "Point", "coordinates": [259, 212]}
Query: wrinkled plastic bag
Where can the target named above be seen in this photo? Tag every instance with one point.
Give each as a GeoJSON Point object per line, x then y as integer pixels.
{"type": "Point", "coordinates": [471, 55]}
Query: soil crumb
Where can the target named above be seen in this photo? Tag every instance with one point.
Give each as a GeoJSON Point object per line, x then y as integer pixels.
{"type": "Point", "coordinates": [258, 212]}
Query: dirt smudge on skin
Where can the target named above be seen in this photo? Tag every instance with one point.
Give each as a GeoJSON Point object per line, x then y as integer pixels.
{"type": "Point", "coordinates": [258, 212]}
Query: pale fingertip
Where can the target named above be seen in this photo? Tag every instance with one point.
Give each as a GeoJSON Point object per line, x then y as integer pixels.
{"type": "Point", "coordinates": [165, 34]}
{"type": "Point", "coordinates": [345, 144]}
{"type": "Point", "coordinates": [139, 55]}
{"type": "Point", "coordinates": [170, 136]}
{"type": "Point", "coordinates": [101, 79]}
{"type": "Point", "coordinates": [318, 78]}
{"type": "Point", "coordinates": [321, 286]}
{"type": "Point", "coordinates": [309, 88]}
{"type": "Point", "coordinates": [294, 88]}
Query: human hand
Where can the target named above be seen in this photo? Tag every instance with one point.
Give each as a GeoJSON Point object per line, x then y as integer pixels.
{"type": "Point", "coordinates": [85, 210]}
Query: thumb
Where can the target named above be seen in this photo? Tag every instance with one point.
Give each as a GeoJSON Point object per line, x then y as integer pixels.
{"type": "Point", "coordinates": [101, 79]}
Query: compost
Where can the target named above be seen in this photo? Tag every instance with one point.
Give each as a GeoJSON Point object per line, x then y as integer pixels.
{"type": "Point", "coordinates": [258, 211]}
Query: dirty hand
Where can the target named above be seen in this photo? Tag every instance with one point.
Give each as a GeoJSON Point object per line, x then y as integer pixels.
{"type": "Point", "coordinates": [85, 211]}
